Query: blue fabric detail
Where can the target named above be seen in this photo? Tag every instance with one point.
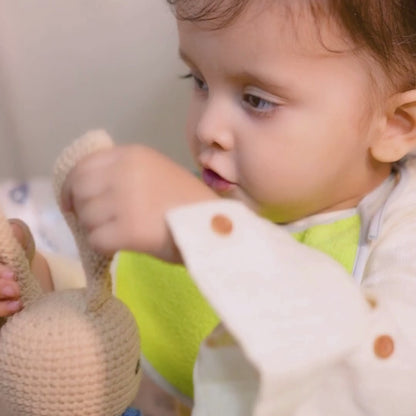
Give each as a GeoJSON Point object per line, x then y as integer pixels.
{"type": "Point", "coordinates": [132, 412]}
{"type": "Point", "coordinates": [20, 193]}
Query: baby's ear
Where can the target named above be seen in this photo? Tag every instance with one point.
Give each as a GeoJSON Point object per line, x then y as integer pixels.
{"type": "Point", "coordinates": [398, 136]}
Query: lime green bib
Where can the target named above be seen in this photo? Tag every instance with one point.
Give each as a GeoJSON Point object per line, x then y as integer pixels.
{"type": "Point", "coordinates": [174, 317]}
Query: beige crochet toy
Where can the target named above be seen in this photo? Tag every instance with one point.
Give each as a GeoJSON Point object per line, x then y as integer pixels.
{"type": "Point", "coordinates": [72, 352]}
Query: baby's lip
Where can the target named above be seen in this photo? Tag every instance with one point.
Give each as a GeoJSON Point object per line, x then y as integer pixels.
{"type": "Point", "coordinates": [215, 181]}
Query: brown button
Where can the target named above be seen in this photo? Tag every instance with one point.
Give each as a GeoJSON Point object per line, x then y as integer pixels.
{"type": "Point", "coordinates": [221, 224]}
{"type": "Point", "coordinates": [372, 301]}
{"type": "Point", "coordinates": [383, 346]}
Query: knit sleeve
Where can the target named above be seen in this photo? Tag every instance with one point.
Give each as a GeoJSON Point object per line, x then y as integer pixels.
{"type": "Point", "coordinates": [294, 313]}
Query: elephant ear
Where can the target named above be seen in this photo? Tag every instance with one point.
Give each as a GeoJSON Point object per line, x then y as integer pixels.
{"type": "Point", "coordinates": [96, 266]}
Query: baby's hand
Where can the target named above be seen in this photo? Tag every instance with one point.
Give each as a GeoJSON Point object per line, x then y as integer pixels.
{"type": "Point", "coordinates": [120, 196]}
{"type": "Point", "coordinates": [9, 288]}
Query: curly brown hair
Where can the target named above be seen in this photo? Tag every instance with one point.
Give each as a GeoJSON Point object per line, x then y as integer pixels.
{"type": "Point", "coordinates": [386, 28]}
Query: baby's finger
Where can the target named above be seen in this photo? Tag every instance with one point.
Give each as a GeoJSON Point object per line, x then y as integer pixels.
{"type": "Point", "coordinates": [9, 307]}
{"type": "Point", "coordinates": [9, 290]}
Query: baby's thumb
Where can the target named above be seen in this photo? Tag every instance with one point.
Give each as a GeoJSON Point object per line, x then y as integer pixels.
{"type": "Point", "coordinates": [24, 237]}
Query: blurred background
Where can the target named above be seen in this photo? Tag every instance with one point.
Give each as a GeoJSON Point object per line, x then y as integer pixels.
{"type": "Point", "coordinates": [67, 66]}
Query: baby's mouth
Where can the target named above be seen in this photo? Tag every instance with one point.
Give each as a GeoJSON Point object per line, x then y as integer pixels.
{"type": "Point", "coordinates": [215, 181]}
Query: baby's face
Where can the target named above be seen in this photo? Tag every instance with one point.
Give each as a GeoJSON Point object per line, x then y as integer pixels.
{"type": "Point", "coordinates": [276, 119]}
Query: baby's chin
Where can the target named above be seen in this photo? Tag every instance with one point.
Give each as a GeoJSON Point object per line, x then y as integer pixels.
{"type": "Point", "coordinates": [282, 215]}
{"type": "Point", "coordinates": [276, 214]}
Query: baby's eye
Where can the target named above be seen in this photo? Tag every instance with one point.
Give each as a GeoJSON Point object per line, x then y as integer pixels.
{"type": "Point", "coordinates": [258, 104]}
{"type": "Point", "coordinates": [199, 83]}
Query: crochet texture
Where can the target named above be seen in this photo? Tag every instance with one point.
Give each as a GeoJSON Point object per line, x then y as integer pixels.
{"type": "Point", "coordinates": [74, 352]}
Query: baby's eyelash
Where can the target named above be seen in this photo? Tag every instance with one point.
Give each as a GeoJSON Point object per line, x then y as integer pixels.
{"type": "Point", "coordinates": [186, 76]}
{"type": "Point", "coordinates": [199, 83]}
{"type": "Point", "coordinates": [259, 106]}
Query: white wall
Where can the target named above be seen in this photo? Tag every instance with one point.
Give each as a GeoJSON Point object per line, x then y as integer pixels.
{"type": "Point", "coordinates": [70, 65]}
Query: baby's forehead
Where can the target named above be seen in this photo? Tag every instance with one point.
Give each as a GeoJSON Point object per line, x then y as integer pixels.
{"type": "Point", "coordinates": [291, 22]}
